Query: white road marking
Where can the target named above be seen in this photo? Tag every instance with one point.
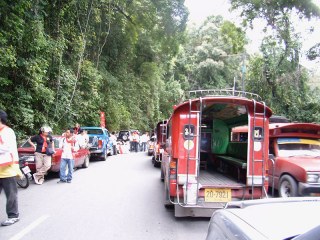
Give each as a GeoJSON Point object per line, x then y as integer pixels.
{"type": "Point", "coordinates": [26, 230]}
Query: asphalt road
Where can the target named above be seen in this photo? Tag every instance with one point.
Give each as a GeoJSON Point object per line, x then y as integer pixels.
{"type": "Point", "coordinates": [120, 198]}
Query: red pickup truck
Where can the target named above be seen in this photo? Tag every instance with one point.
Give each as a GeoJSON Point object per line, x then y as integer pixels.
{"type": "Point", "coordinates": [294, 160]}
{"type": "Point", "coordinates": [27, 152]}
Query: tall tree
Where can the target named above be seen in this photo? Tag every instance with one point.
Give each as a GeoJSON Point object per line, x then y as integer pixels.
{"type": "Point", "coordinates": [278, 75]}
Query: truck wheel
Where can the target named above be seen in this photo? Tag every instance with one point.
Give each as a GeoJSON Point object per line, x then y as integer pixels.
{"type": "Point", "coordinates": [157, 164]}
{"type": "Point", "coordinates": [161, 175]}
{"type": "Point", "coordinates": [288, 187]}
{"type": "Point", "coordinates": [105, 155]}
{"type": "Point", "coordinates": [86, 162]}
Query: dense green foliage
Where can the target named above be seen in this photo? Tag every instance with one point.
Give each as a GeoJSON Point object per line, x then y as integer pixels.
{"type": "Point", "coordinates": [212, 56]}
{"type": "Point", "coordinates": [277, 75]}
{"type": "Point", "coordinates": [64, 61]}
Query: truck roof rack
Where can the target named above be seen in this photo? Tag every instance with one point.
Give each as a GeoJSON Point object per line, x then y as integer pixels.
{"type": "Point", "coordinates": [223, 92]}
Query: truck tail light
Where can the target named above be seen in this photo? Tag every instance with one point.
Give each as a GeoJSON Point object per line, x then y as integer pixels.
{"type": "Point", "coordinates": [100, 144]}
{"type": "Point", "coordinates": [173, 169]}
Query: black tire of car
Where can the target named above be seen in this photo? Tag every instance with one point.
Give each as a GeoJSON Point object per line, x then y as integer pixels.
{"type": "Point", "coordinates": [23, 183]}
{"type": "Point", "coordinates": [105, 155]}
{"type": "Point", "coordinates": [124, 137]}
{"type": "Point", "coordinates": [86, 162]}
{"type": "Point", "coordinates": [288, 187]}
{"type": "Point", "coordinates": [157, 164]}
{"type": "Point", "coordinates": [161, 174]}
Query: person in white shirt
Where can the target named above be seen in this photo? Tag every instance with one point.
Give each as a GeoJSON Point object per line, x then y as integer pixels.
{"type": "Point", "coordinates": [69, 145]}
{"type": "Point", "coordinates": [114, 142]}
{"type": "Point", "coordinates": [144, 139]}
{"type": "Point", "coordinates": [9, 169]}
{"type": "Point", "coordinates": [82, 138]}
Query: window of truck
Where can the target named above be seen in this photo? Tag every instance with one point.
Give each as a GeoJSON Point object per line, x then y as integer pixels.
{"type": "Point", "coordinates": [290, 147]}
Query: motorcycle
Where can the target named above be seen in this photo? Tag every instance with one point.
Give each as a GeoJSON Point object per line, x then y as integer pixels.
{"type": "Point", "coordinates": [25, 180]}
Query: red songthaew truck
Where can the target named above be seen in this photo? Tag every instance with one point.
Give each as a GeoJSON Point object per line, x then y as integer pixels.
{"type": "Point", "coordinates": [202, 168]}
{"type": "Point", "coordinates": [294, 157]}
{"type": "Point", "coordinates": [160, 133]}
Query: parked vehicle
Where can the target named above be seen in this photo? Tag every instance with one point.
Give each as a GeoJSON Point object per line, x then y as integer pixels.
{"type": "Point", "coordinates": [124, 135]}
{"type": "Point", "coordinates": [100, 142]}
{"type": "Point", "coordinates": [81, 157]}
{"type": "Point", "coordinates": [160, 133]}
{"type": "Point", "coordinates": [277, 218]}
{"type": "Point", "coordinates": [24, 168]}
{"type": "Point", "coordinates": [294, 160]}
{"type": "Point", "coordinates": [294, 167]}
{"type": "Point", "coordinates": [201, 167]}
{"type": "Point", "coordinates": [150, 145]}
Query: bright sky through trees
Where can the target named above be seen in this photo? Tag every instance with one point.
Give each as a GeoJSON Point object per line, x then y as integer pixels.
{"type": "Point", "coordinates": [200, 9]}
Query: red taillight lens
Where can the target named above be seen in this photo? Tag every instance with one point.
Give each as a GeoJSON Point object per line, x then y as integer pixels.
{"type": "Point", "coordinates": [173, 164]}
{"type": "Point", "coordinates": [158, 148]}
{"type": "Point", "coordinates": [173, 169]}
{"type": "Point", "coordinates": [100, 144]}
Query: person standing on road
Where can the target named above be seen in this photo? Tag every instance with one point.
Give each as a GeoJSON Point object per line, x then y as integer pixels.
{"type": "Point", "coordinates": [144, 139]}
{"type": "Point", "coordinates": [69, 145]}
{"type": "Point", "coordinates": [135, 140]}
{"type": "Point", "coordinates": [43, 161]}
{"type": "Point", "coordinates": [82, 139]}
{"type": "Point", "coordinates": [113, 138]}
{"type": "Point", "coordinates": [9, 169]}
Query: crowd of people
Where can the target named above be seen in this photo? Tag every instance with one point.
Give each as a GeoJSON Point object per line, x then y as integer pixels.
{"type": "Point", "coordinates": [135, 143]}
{"type": "Point", "coordinates": [72, 140]}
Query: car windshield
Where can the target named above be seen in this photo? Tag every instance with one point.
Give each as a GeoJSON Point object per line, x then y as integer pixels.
{"type": "Point", "coordinates": [94, 131]}
{"type": "Point", "coordinates": [26, 144]}
{"type": "Point", "coordinates": [289, 147]}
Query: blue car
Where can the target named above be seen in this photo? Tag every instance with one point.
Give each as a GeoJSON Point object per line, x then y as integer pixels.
{"type": "Point", "coordinates": [100, 142]}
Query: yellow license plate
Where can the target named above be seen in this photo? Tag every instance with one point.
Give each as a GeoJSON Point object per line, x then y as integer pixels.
{"type": "Point", "coordinates": [217, 195]}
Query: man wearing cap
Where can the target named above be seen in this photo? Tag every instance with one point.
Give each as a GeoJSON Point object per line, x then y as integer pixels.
{"type": "Point", "coordinates": [9, 169]}
{"type": "Point", "coordinates": [43, 161]}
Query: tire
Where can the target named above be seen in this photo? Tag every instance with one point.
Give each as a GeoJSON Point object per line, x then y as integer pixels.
{"type": "Point", "coordinates": [124, 137]}
{"type": "Point", "coordinates": [86, 162]}
{"type": "Point", "coordinates": [105, 155]}
{"type": "Point", "coordinates": [288, 187]}
{"type": "Point", "coordinates": [157, 164]}
{"type": "Point", "coordinates": [161, 175]}
{"type": "Point", "coordinates": [23, 183]}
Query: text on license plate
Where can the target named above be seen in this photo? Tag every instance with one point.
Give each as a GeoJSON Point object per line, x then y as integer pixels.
{"type": "Point", "coordinates": [217, 195]}
{"type": "Point", "coordinates": [26, 169]}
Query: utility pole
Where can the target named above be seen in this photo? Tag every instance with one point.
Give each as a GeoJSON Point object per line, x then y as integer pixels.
{"type": "Point", "coordinates": [243, 70]}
